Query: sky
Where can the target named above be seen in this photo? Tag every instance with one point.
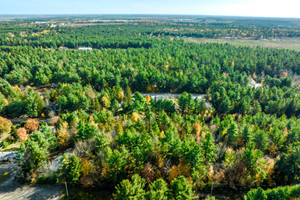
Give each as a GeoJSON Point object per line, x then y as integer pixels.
{"type": "Point", "coordinates": [258, 8]}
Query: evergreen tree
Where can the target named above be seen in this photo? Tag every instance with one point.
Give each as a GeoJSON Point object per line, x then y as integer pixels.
{"type": "Point", "coordinates": [131, 190]}
{"type": "Point", "coordinates": [158, 190]}
{"type": "Point", "coordinates": [181, 189]}
{"type": "Point", "coordinates": [209, 148]}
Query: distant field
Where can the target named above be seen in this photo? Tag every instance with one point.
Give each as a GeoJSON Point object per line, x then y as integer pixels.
{"type": "Point", "coordinates": [286, 43]}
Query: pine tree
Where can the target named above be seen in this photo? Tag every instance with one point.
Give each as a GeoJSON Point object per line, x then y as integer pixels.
{"type": "Point", "coordinates": [181, 189]}
{"type": "Point", "coordinates": [158, 190]}
{"type": "Point", "coordinates": [131, 190]}
{"type": "Point", "coordinates": [209, 148]}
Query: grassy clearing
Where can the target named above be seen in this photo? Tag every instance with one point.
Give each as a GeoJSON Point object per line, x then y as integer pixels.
{"type": "Point", "coordinates": [285, 43]}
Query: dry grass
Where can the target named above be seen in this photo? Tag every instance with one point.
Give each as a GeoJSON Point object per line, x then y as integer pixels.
{"type": "Point", "coordinates": [4, 136]}
{"type": "Point", "coordinates": [13, 146]}
{"type": "Point", "coordinates": [285, 43]}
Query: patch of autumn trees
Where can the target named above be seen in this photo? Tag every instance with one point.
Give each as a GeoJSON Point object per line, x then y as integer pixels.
{"type": "Point", "coordinates": [235, 150]}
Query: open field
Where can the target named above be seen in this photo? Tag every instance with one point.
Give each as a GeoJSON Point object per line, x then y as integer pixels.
{"type": "Point", "coordinates": [286, 43]}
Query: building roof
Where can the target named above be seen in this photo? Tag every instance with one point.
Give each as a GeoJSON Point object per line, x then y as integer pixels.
{"type": "Point", "coordinates": [85, 48]}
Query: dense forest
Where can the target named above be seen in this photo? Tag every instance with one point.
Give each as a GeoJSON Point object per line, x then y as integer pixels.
{"type": "Point", "coordinates": [244, 133]}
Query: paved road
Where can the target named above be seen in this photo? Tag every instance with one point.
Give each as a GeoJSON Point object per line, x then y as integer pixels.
{"type": "Point", "coordinates": [166, 96]}
{"type": "Point", "coordinates": [158, 96]}
{"type": "Point", "coordinates": [8, 156]}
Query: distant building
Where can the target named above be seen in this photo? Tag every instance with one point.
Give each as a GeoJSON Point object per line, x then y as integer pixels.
{"type": "Point", "coordinates": [37, 22]}
{"type": "Point", "coordinates": [85, 48]}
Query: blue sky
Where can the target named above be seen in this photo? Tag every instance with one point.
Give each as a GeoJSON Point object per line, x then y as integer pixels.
{"type": "Point", "coordinates": [263, 8]}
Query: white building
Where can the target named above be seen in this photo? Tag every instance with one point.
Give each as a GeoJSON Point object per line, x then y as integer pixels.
{"type": "Point", "coordinates": [85, 48]}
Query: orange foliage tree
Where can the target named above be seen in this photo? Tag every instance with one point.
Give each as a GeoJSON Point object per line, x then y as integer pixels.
{"type": "Point", "coordinates": [31, 125]}
{"type": "Point", "coordinates": [22, 134]}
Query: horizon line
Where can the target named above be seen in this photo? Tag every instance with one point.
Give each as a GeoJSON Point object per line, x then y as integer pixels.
{"type": "Point", "coordinates": [85, 14]}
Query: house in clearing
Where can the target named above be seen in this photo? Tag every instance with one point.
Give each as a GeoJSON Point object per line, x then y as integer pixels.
{"type": "Point", "coordinates": [85, 48]}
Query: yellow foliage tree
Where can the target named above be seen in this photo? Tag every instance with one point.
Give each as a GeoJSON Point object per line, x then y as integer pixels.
{"type": "Point", "coordinates": [105, 101]}
{"type": "Point", "coordinates": [148, 99]}
{"type": "Point", "coordinates": [5, 125]}
{"type": "Point", "coordinates": [119, 129]}
{"type": "Point", "coordinates": [120, 95]}
{"type": "Point", "coordinates": [135, 117]}
{"type": "Point", "coordinates": [197, 128]}
{"type": "Point", "coordinates": [210, 172]}
{"type": "Point", "coordinates": [272, 149]}
{"type": "Point", "coordinates": [86, 167]}
{"type": "Point", "coordinates": [63, 137]}
{"type": "Point", "coordinates": [160, 161]}
{"type": "Point", "coordinates": [182, 169]}
{"type": "Point", "coordinates": [162, 134]}
{"type": "Point", "coordinates": [270, 169]}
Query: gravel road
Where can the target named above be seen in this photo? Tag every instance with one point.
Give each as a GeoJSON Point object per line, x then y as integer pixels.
{"type": "Point", "coordinates": [11, 190]}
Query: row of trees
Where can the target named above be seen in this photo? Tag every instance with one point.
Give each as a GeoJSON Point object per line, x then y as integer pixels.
{"type": "Point", "coordinates": [134, 189]}
{"type": "Point", "coordinates": [160, 69]}
{"type": "Point", "coordinates": [282, 193]}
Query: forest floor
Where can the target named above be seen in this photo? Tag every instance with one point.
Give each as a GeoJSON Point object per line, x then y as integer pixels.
{"type": "Point", "coordinates": [284, 43]}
